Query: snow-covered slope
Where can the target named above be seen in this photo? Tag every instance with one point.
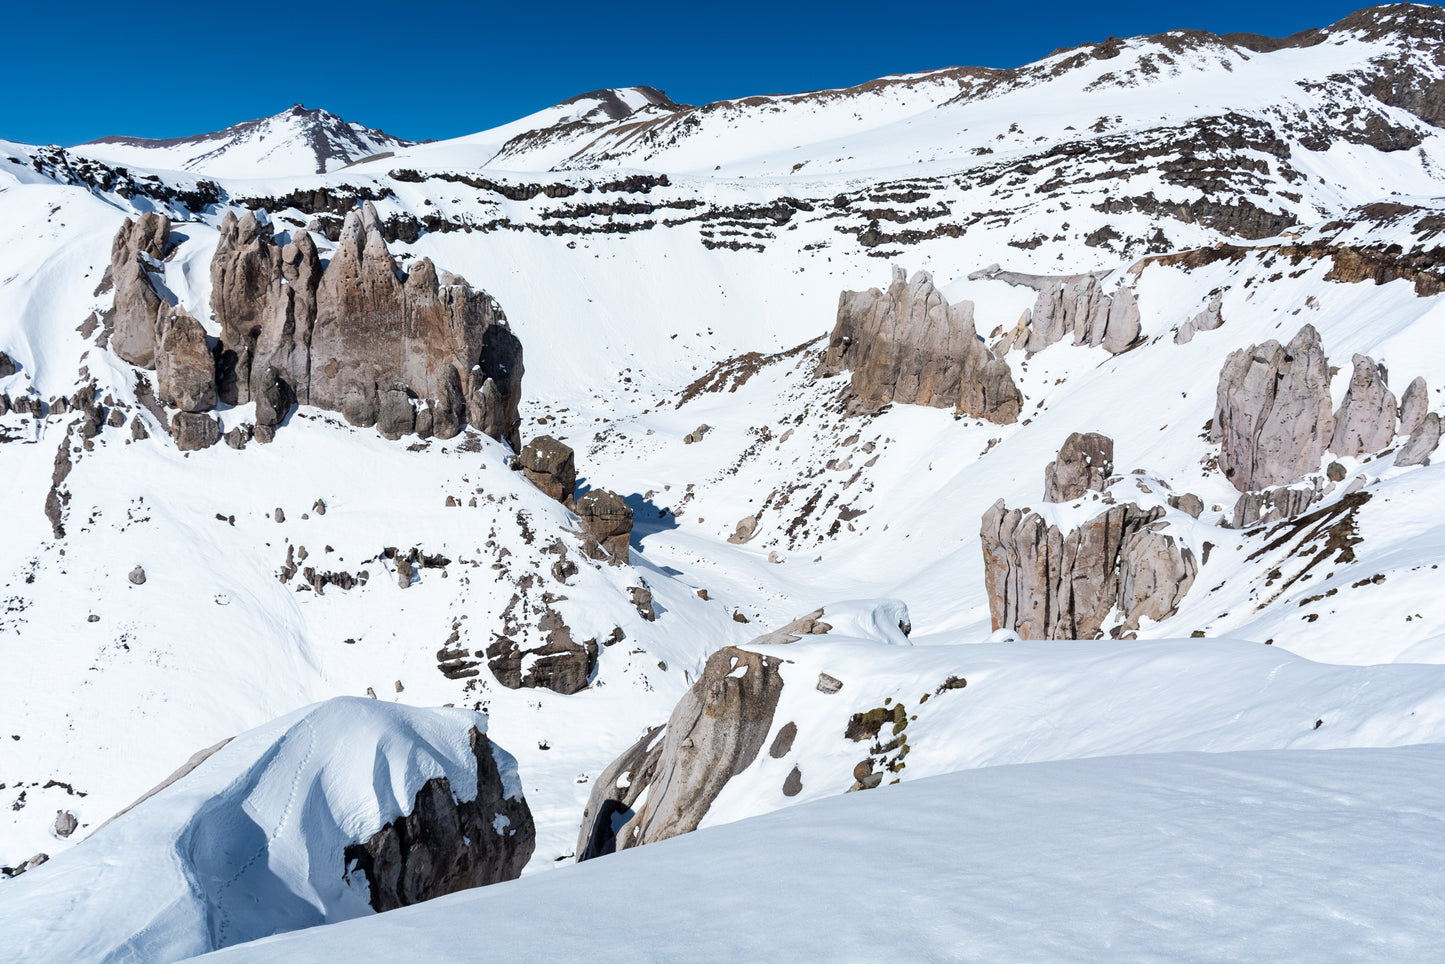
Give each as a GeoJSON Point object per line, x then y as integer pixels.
{"type": "Point", "coordinates": [248, 840]}
{"type": "Point", "coordinates": [668, 268]}
{"type": "Point", "coordinates": [1282, 856]}
{"type": "Point", "coordinates": [294, 142]}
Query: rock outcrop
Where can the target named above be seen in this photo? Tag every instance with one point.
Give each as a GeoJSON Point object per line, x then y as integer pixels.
{"type": "Point", "coordinates": [551, 466]}
{"type": "Point", "coordinates": [1365, 421]}
{"type": "Point", "coordinates": [185, 369]}
{"type": "Point", "coordinates": [1207, 320]}
{"type": "Point", "coordinates": [1271, 505]}
{"type": "Point", "coordinates": [7, 367]}
{"type": "Point", "coordinates": [445, 845]}
{"type": "Point", "coordinates": [716, 731]}
{"type": "Point", "coordinates": [1085, 462]}
{"type": "Point", "coordinates": [909, 345]}
{"type": "Point", "coordinates": [559, 664]}
{"type": "Point", "coordinates": [138, 303]}
{"type": "Point", "coordinates": [1272, 418]}
{"type": "Point", "coordinates": [1422, 443]}
{"type": "Point", "coordinates": [608, 520]}
{"type": "Point", "coordinates": [1414, 403]}
{"type": "Point", "coordinates": [356, 337]}
{"type": "Point", "coordinates": [1081, 307]}
{"type": "Point", "coordinates": [1046, 584]}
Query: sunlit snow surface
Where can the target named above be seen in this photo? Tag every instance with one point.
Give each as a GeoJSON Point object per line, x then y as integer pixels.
{"type": "Point", "coordinates": [1304, 856]}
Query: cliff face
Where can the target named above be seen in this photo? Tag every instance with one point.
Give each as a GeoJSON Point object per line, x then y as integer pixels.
{"type": "Point", "coordinates": [910, 345]}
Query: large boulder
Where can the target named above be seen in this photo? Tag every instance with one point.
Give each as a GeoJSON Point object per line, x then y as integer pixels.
{"type": "Point", "coordinates": [1272, 418]}
{"type": "Point", "coordinates": [910, 345]}
{"type": "Point", "coordinates": [395, 414]}
{"type": "Point", "coordinates": [193, 432]}
{"type": "Point", "coordinates": [1365, 421]}
{"type": "Point", "coordinates": [1272, 505]}
{"type": "Point", "coordinates": [7, 367]}
{"type": "Point", "coordinates": [608, 520]}
{"type": "Point", "coordinates": [1422, 443]}
{"type": "Point", "coordinates": [664, 785]}
{"type": "Point", "coordinates": [1414, 403]}
{"type": "Point", "coordinates": [185, 368]}
{"type": "Point", "coordinates": [551, 466]}
{"type": "Point", "coordinates": [1085, 462]}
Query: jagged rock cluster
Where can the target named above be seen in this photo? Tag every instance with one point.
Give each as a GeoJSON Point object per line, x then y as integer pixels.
{"type": "Point", "coordinates": [1274, 423]}
{"type": "Point", "coordinates": [1044, 583]}
{"type": "Point", "coordinates": [559, 663]}
{"type": "Point", "coordinates": [715, 732]}
{"type": "Point", "coordinates": [422, 353]}
{"type": "Point", "coordinates": [444, 844]}
{"type": "Point", "coordinates": [1072, 304]}
{"type": "Point", "coordinates": [910, 345]}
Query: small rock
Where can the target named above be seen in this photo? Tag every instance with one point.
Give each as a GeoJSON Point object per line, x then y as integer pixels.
{"type": "Point", "coordinates": [696, 434]}
{"type": "Point", "coordinates": [774, 558]}
{"type": "Point", "coordinates": [829, 684]}
{"type": "Point", "coordinates": [65, 823]}
{"type": "Point", "coordinates": [278, 515]}
{"type": "Point", "coordinates": [137, 576]}
{"type": "Point", "coordinates": [1335, 472]}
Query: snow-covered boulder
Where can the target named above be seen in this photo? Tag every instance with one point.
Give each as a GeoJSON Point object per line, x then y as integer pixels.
{"type": "Point", "coordinates": [319, 816]}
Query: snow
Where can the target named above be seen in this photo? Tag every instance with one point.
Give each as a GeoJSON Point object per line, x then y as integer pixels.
{"type": "Point", "coordinates": [1282, 856]}
{"type": "Point", "coordinates": [248, 843]}
{"type": "Point", "coordinates": [616, 324]}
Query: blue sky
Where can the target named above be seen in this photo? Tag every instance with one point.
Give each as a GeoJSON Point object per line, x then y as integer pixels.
{"type": "Point", "coordinates": [81, 70]}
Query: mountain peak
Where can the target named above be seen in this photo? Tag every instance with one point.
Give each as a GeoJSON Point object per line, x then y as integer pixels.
{"type": "Point", "coordinates": [298, 140]}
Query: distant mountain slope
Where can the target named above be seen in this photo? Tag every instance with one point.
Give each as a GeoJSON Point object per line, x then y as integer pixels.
{"type": "Point", "coordinates": [293, 142]}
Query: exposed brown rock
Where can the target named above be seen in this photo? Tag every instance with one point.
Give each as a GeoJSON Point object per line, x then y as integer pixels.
{"type": "Point", "coordinates": [1271, 505]}
{"type": "Point", "coordinates": [193, 432]}
{"type": "Point", "coordinates": [1079, 305]}
{"type": "Point", "coordinates": [608, 519]}
{"type": "Point", "coordinates": [395, 415]}
{"type": "Point", "coordinates": [1422, 443]}
{"type": "Point", "coordinates": [1085, 462]}
{"type": "Point", "coordinates": [7, 367]}
{"type": "Point", "coordinates": [909, 345]}
{"type": "Point", "coordinates": [716, 731]}
{"type": "Point", "coordinates": [550, 466]}
{"type": "Point", "coordinates": [1414, 403]}
{"type": "Point", "coordinates": [137, 302]}
{"type": "Point", "coordinates": [559, 664]}
{"type": "Point", "coordinates": [185, 369]}
{"type": "Point", "coordinates": [1046, 584]}
{"type": "Point", "coordinates": [1272, 418]}
{"type": "Point", "coordinates": [1365, 421]}
{"type": "Point", "coordinates": [444, 845]}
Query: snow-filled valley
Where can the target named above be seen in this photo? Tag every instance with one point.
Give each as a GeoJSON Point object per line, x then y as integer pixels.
{"type": "Point", "coordinates": [860, 535]}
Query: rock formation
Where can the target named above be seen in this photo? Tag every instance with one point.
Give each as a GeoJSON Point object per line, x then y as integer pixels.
{"type": "Point", "coordinates": [357, 337]}
{"type": "Point", "coordinates": [1207, 320]}
{"type": "Point", "coordinates": [1365, 421]}
{"type": "Point", "coordinates": [608, 520]}
{"type": "Point", "coordinates": [1046, 584]}
{"type": "Point", "coordinates": [7, 367]}
{"type": "Point", "coordinates": [138, 304]}
{"type": "Point", "coordinates": [1081, 306]}
{"type": "Point", "coordinates": [193, 432]}
{"type": "Point", "coordinates": [550, 466]}
{"type": "Point", "coordinates": [559, 664]}
{"type": "Point", "coordinates": [1272, 418]}
{"type": "Point", "coordinates": [909, 345]}
{"type": "Point", "coordinates": [185, 370]}
{"type": "Point", "coordinates": [1085, 462]}
{"type": "Point", "coordinates": [445, 845]}
{"type": "Point", "coordinates": [1414, 403]}
{"type": "Point", "coordinates": [1422, 443]}
{"type": "Point", "coordinates": [715, 732]}
{"type": "Point", "coordinates": [1271, 505]}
